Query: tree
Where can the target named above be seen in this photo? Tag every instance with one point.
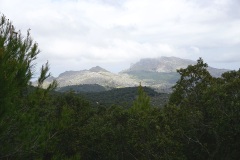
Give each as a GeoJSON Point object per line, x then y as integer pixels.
{"type": "Point", "coordinates": [194, 79]}
{"type": "Point", "coordinates": [222, 103]}
{"type": "Point", "coordinates": [188, 94]}
{"type": "Point", "coordinates": [142, 103]}
{"type": "Point", "coordinates": [16, 55]}
{"type": "Point", "coordinates": [208, 112]}
{"type": "Point", "coordinates": [17, 103]}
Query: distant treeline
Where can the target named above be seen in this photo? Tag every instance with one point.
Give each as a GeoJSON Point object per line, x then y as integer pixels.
{"type": "Point", "coordinates": [124, 97]}
{"type": "Point", "coordinates": [82, 88]}
{"type": "Point", "coordinates": [100, 96]}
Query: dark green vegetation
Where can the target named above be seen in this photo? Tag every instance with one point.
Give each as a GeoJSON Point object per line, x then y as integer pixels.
{"type": "Point", "coordinates": [100, 96]}
{"type": "Point", "coordinates": [201, 120]}
{"type": "Point", "coordinates": [124, 97]}
{"type": "Point", "coordinates": [83, 88]}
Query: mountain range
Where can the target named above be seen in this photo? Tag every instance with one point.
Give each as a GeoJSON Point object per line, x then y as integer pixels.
{"type": "Point", "coordinates": [157, 73]}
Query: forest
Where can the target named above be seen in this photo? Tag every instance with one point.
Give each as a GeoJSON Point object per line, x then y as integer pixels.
{"type": "Point", "coordinates": [199, 121]}
{"type": "Point", "coordinates": [98, 95]}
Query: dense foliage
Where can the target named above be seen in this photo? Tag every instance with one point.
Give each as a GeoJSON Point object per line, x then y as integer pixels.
{"type": "Point", "coordinates": [86, 88]}
{"type": "Point", "coordinates": [201, 120]}
{"type": "Point", "coordinates": [24, 112]}
{"type": "Point", "coordinates": [124, 97]}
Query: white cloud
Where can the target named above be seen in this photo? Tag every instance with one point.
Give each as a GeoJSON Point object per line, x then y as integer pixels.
{"type": "Point", "coordinates": [75, 35]}
{"type": "Point", "coordinates": [195, 49]}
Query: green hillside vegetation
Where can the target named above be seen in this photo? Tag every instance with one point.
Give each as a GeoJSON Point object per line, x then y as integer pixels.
{"type": "Point", "coordinates": [156, 77]}
{"type": "Point", "coordinates": [200, 121]}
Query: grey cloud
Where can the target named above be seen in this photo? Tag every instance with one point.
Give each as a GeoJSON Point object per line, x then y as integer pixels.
{"type": "Point", "coordinates": [233, 9]}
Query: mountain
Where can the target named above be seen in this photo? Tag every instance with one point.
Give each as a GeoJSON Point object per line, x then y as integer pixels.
{"type": "Point", "coordinates": [95, 75]}
{"type": "Point", "coordinates": [167, 65]}
{"type": "Point", "coordinates": [162, 64]}
{"type": "Point", "coordinates": [158, 73]}
{"type": "Point", "coordinates": [98, 69]}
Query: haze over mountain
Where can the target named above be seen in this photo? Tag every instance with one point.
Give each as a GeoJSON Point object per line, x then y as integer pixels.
{"type": "Point", "coordinates": [162, 64]}
{"type": "Point", "coordinates": [158, 73]}
{"type": "Point", "coordinates": [167, 65]}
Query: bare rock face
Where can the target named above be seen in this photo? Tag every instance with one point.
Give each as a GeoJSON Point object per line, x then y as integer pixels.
{"type": "Point", "coordinates": [167, 65]}
{"type": "Point", "coordinates": [162, 64]}
{"type": "Point", "coordinates": [107, 79]}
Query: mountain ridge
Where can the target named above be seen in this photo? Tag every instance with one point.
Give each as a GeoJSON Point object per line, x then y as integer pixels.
{"type": "Point", "coordinates": [158, 73]}
{"type": "Point", "coordinates": [168, 64]}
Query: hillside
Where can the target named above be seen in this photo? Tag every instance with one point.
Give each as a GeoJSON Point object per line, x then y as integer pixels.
{"type": "Point", "coordinates": [124, 97]}
{"type": "Point", "coordinates": [96, 75]}
{"type": "Point", "coordinates": [82, 88]}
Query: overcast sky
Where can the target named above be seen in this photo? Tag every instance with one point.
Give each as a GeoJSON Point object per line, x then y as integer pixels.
{"type": "Point", "coordinates": [80, 34]}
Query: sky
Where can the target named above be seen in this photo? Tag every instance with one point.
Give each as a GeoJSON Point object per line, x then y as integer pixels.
{"type": "Point", "coordinates": [113, 34]}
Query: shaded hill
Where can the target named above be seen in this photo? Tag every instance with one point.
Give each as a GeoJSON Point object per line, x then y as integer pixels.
{"type": "Point", "coordinates": [83, 88]}
{"type": "Point", "coordinates": [124, 97]}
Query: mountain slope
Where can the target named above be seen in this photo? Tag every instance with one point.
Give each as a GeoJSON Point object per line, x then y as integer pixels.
{"type": "Point", "coordinates": [82, 88]}
{"type": "Point", "coordinates": [124, 97]}
{"type": "Point", "coordinates": [95, 75]}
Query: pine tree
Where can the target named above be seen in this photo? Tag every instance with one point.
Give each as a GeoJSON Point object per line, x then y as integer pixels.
{"type": "Point", "coordinates": [20, 131]}
{"type": "Point", "coordinates": [142, 103]}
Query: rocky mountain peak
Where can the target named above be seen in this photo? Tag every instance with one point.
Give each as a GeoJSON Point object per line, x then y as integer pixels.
{"type": "Point", "coordinates": [98, 69]}
{"type": "Point", "coordinates": [69, 73]}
